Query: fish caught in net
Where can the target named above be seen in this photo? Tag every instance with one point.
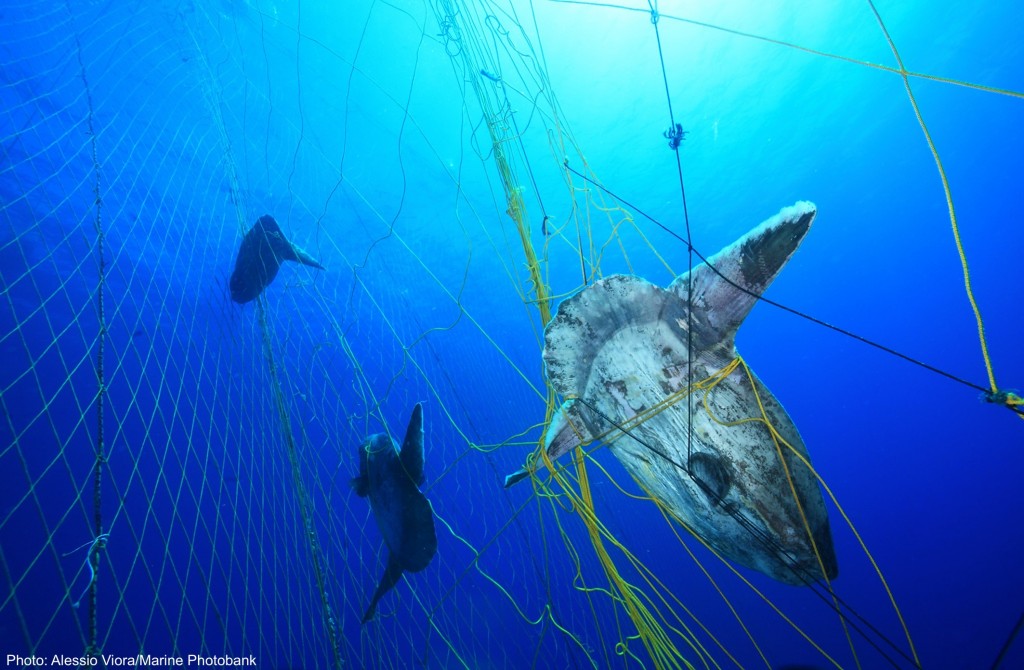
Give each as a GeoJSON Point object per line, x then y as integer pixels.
{"type": "Point", "coordinates": [290, 289]}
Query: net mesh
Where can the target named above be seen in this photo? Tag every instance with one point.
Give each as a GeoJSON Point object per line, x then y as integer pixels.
{"type": "Point", "coordinates": [176, 467]}
{"type": "Point", "coordinates": [203, 477]}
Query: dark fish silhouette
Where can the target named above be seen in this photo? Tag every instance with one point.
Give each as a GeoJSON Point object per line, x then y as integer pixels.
{"type": "Point", "coordinates": [260, 255]}
{"type": "Point", "coordinates": [391, 479]}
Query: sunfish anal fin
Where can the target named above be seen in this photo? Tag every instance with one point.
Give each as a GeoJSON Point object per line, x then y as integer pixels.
{"type": "Point", "coordinates": [516, 477]}
{"type": "Point", "coordinates": [391, 575]}
{"type": "Point", "coordinates": [565, 432]}
{"type": "Point", "coordinates": [563, 435]}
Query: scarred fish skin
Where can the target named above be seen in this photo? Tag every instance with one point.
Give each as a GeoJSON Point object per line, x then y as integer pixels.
{"type": "Point", "coordinates": [622, 347]}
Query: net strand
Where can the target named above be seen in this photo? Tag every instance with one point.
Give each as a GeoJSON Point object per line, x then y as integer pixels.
{"type": "Point", "coordinates": [803, 315]}
{"type": "Point", "coordinates": [92, 648]}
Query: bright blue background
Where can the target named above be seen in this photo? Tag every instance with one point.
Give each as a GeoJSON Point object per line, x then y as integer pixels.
{"type": "Point", "coordinates": [208, 116]}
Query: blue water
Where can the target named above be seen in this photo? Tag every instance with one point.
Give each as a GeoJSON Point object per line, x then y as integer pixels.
{"type": "Point", "coordinates": [360, 129]}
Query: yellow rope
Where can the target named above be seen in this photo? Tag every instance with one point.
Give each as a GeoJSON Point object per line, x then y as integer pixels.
{"type": "Point", "coordinates": [652, 635]}
{"type": "Point", "coordinates": [707, 385]}
{"type": "Point", "coordinates": [660, 648]}
{"type": "Point", "coordinates": [650, 629]}
{"type": "Point", "coordinates": [780, 440]}
{"type": "Point", "coordinates": [807, 50]}
{"type": "Point", "coordinates": [1011, 400]}
{"type": "Point", "coordinates": [304, 501]}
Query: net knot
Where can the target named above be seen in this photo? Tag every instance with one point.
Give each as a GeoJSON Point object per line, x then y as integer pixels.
{"type": "Point", "coordinates": [1009, 399]}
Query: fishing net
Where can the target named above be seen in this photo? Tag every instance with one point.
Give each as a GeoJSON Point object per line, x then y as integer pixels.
{"type": "Point", "coordinates": [176, 467]}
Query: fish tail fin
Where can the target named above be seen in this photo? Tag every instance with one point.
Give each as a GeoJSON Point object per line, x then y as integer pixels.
{"type": "Point", "coordinates": [387, 581]}
{"type": "Point", "coordinates": [268, 224]}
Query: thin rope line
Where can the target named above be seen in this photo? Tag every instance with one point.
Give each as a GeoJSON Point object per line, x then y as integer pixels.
{"type": "Point", "coordinates": [93, 558]}
{"type": "Point", "coordinates": [676, 135]}
{"type": "Point", "coordinates": [814, 52]}
{"type": "Point", "coordinates": [791, 310]}
{"type": "Point", "coordinates": [761, 536]}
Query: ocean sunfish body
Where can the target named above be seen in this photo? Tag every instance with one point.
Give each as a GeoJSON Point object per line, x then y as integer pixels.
{"type": "Point", "coordinates": [391, 479]}
{"type": "Point", "coordinates": [618, 351]}
{"type": "Point", "coordinates": [260, 255]}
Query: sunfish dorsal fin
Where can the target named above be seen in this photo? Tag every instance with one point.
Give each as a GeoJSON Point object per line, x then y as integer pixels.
{"type": "Point", "coordinates": [283, 249]}
{"type": "Point", "coordinates": [412, 446]}
{"type": "Point", "coordinates": [361, 483]}
{"type": "Point", "coordinates": [740, 273]}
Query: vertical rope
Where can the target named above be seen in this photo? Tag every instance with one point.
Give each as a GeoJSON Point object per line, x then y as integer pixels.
{"type": "Point", "coordinates": [305, 505]}
{"type": "Point", "coordinates": [655, 16]}
{"type": "Point", "coordinates": [92, 647]}
{"type": "Point", "coordinates": [994, 394]}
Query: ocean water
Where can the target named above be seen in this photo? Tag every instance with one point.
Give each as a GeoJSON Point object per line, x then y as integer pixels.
{"type": "Point", "coordinates": [175, 467]}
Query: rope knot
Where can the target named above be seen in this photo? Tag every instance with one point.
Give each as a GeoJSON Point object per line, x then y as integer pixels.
{"type": "Point", "coordinates": [1008, 399]}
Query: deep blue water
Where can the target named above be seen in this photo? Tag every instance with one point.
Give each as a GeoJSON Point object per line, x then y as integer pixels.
{"type": "Point", "coordinates": [361, 129]}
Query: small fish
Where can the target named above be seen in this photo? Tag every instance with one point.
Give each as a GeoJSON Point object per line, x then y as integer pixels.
{"type": "Point", "coordinates": [391, 479]}
{"type": "Point", "coordinates": [260, 255]}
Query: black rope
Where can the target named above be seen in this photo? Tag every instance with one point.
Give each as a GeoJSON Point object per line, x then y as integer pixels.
{"type": "Point", "coordinates": [92, 647]}
{"type": "Point", "coordinates": [675, 135]}
{"type": "Point", "coordinates": [759, 535]}
{"type": "Point", "coordinates": [842, 331]}
{"type": "Point", "coordinates": [1009, 642]}
{"type": "Point", "coordinates": [529, 169]}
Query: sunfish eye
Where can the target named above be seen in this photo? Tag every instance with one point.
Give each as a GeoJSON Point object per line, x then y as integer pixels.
{"type": "Point", "coordinates": [711, 473]}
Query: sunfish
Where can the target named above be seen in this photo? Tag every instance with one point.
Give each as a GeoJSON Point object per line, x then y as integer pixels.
{"type": "Point", "coordinates": [391, 479]}
{"type": "Point", "coordinates": [617, 352]}
{"type": "Point", "coordinates": [260, 255]}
